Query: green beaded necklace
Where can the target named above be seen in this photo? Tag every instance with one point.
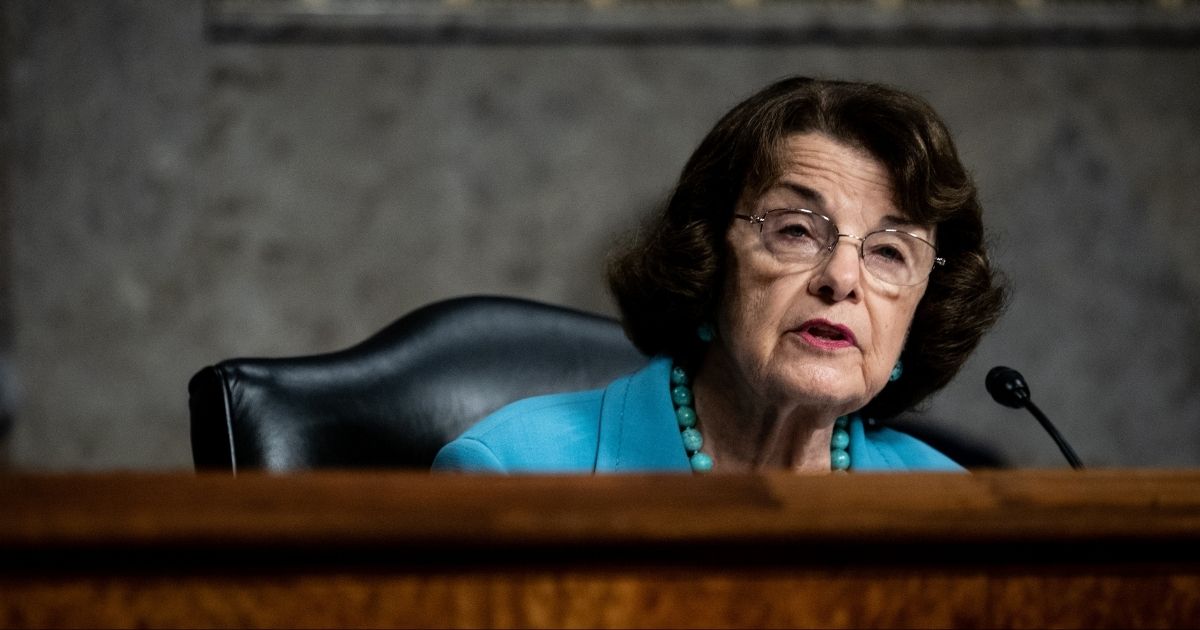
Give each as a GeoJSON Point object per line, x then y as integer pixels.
{"type": "Point", "coordinates": [685, 415]}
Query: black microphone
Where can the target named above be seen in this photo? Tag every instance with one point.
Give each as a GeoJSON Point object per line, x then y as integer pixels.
{"type": "Point", "coordinates": [1008, 387]}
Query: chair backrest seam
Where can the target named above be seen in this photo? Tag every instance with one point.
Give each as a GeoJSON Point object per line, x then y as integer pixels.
{"type": "Point", "coordinates": [226, 401]}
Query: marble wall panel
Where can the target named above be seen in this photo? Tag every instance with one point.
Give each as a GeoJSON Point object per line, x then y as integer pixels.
{"type": "Point", "coordinates": [175, 201]}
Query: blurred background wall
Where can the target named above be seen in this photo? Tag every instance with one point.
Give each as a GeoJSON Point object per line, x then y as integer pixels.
{"type": "Point", "coordinates": [178, 187]}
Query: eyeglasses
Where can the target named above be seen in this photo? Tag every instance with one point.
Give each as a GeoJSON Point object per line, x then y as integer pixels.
{"type": "Point", "coordinates": [803, 238]}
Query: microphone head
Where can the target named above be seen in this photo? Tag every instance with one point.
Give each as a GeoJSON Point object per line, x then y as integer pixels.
{"type": "Point", "coordinates": [1007, 387]}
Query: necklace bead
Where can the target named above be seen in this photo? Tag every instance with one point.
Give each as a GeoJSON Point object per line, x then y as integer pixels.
{"type": "Point", "coordinates": [693, 441]}
{"type": "Point", "coordinates": [681, 395]}
{"type": "Point", "coordinates": [840, 439]}
{"type": "Point", "coordinates": [678, 376]}
{"type": "Point", "coordinates": [839, 445]}
{"type": "Point", "coordinates": [701, 462]}
{"type": "Point", "coordinates": [839, 460]}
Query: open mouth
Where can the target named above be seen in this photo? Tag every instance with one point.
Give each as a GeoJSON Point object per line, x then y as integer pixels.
{"type": "Point", "coordinates": [825, 334]}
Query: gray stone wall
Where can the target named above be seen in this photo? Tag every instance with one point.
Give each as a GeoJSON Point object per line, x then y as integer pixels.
{"type": "Point", "coordinates": [172, 201]}
{"type": "Point", "coordinates": [7, 404]}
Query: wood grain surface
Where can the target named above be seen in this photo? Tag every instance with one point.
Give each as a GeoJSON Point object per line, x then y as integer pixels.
{"type": "Point", "coordinates": [1002, 549]}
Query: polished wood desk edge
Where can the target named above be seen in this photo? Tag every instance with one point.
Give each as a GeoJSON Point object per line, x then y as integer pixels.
{"type": "Point", "coordinates": [414, 509]}
{"type": "Point", "coordinates": [1012, 549]}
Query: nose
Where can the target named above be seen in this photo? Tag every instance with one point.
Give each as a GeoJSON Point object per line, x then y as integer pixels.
{"type": "Point", "coordinates": [839, 277]}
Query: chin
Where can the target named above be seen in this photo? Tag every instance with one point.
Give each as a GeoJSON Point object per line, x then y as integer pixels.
{"type": "Point", "coordinates": [826, 386]}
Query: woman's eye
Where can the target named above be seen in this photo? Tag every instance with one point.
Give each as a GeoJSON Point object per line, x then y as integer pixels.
{"type": "Point", "coordinates": [794, 231]}
{"type": "Point", "coordinates": [794, 227]}
{"type": "Point", "coordinates": [889, 254]}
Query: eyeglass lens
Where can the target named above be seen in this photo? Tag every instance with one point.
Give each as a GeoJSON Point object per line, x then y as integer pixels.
{"type": "Point", "coordinates": [806, 238]}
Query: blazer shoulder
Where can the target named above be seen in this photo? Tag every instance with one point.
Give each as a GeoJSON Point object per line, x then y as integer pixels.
{"type": "Point", "coordinates": [551, 433]}
{"type": "Point", "coordinates": [902, 451]}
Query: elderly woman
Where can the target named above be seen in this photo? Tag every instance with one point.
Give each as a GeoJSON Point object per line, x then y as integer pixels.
{"type": "Point", "coordinates": [820, 265]}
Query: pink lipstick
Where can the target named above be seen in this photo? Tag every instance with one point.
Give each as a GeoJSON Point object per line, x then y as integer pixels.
{"type": "Point", "coordinates": [825, 334]}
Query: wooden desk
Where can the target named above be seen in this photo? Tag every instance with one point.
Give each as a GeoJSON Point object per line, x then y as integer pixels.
{"type": "Point", "coordinates": [1015, 549]}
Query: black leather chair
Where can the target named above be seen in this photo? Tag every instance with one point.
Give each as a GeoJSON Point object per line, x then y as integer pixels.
{"type": "Point", "coordinates": [393, 400]}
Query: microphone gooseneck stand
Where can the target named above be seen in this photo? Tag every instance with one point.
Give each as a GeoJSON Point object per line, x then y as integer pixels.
{"type": "Point", "coordinates": [1008, 388]}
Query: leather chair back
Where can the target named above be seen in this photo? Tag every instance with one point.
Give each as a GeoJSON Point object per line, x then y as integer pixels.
{"type": "Point", "coordinates": [393, 400]}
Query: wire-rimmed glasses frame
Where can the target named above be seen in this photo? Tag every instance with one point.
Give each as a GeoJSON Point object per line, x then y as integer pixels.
{"type": "Point", "coordinates": [891, 255]}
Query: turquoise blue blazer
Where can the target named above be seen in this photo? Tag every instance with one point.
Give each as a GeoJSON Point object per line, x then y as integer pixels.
{"type": "Point", "coordinates": [629, 426]}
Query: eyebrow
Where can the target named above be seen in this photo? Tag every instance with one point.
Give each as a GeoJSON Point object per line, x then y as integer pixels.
{"type": "Point", "coordinates": [817, 200]}
{"type": "Point", "coordinates": [896, 221]}
{"type": "Point", "coordinates": [810, 195]}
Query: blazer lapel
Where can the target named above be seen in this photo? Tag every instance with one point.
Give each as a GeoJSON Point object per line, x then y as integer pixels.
{"type": "Point", "coordinates": [638, 432]}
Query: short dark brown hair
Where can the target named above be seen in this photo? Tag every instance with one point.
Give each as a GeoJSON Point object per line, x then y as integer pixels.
{"type": "Point", "coordinates": [668, 283]}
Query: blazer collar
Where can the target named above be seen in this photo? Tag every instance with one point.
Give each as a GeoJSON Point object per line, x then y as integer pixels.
{"type": "Point", "coordinates": [638, 431]}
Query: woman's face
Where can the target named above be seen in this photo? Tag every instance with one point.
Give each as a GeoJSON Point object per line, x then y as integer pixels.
{"type": "Point", "coordinates": [824, 337]}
